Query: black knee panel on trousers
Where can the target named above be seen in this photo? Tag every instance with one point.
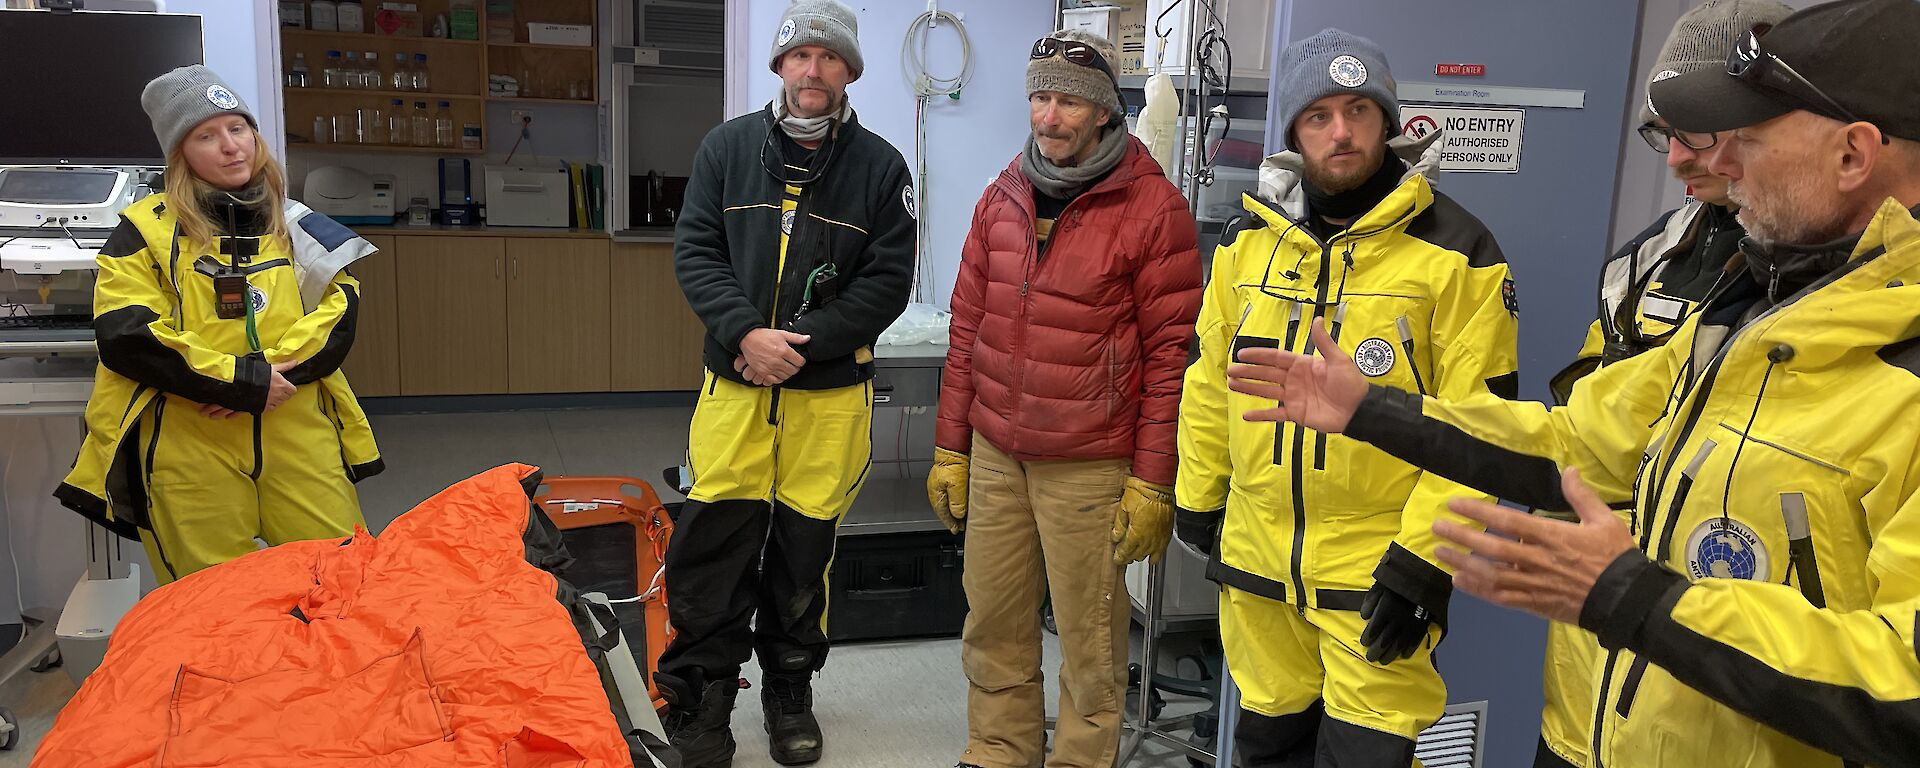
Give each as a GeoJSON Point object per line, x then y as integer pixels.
{"type": "Point", "coordinates": [1286, 741]}
{"type": "Point", "coordinates": [1545, 757]}
{"type": "Point", "coordinates": [1345, 745]}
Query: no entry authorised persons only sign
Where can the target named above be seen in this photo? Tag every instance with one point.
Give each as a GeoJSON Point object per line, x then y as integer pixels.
{"type": "Point", "coordinates": [1474, 140]}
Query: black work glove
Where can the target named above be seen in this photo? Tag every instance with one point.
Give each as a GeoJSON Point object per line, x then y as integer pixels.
{"type": "Point", "coordinates": [1199, 530]}
{"type": "Point", "coordinates": [1395, 625]}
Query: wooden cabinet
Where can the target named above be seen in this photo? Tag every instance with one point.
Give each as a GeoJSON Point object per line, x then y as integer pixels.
{"type": "Point", "coordinates": [452, 315]}
{"type": "Point", "coordinates": [478, 314]}
{"type": "Point", "coordinates": [373, 366]}
{"type": "Point", "coordinates": [558, 336]}
{"type": "Point", "coordinates": [656, 337]}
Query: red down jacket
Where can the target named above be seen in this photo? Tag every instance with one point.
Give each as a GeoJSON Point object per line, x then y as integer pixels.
{"type": "Point", "coordinates": [1077, 353]}
{"type": "Point", "coordinates": [436, 644]}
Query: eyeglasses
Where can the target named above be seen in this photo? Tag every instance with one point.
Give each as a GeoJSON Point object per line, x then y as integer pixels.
{"type": "Point", "coordinates": [1748, 62]}
{"type": "Point", "coordinates": [1659, 136]}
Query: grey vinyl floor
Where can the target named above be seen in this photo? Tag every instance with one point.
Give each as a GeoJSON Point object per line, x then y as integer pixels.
{"type": "Point", "coordinates": [882, 705]}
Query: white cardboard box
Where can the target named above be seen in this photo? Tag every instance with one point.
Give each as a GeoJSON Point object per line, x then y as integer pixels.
{"type": "Point", "coordinates": [559, 34]}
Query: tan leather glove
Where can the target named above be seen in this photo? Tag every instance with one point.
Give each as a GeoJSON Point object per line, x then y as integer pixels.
{"type": "Point", "coordinates": [1143, 523]}
{"type": "Point", "coordinates": [947, 488]}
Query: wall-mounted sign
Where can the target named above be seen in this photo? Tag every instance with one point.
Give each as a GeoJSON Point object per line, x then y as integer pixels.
{"type": "Point", "coordinates": [1473, 140]}
{"type": "Point", "coordinates": [1501, 95]}
{"type": "Point", "coordinates": [1460, 70]}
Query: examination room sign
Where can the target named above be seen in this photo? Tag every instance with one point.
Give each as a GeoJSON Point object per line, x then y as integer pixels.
{"type": "Point", "coordinates": [1474, 140]}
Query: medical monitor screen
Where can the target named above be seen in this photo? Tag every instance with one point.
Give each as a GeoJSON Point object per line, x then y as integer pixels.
{"type": "Point", "coordinates": [73, 82]}
{"type": "Point", "coordinates": [76, 186]}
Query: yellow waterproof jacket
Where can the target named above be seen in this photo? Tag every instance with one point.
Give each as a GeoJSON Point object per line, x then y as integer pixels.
{"type": "Point", "coordinates": [1416, 289]}
{"type": "Point", "coordinates": [1774, 475]}
{"type": "Point", "coordinates": [158, 332]}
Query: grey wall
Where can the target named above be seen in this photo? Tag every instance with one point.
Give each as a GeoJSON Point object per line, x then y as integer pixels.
{"type": "Point", "coordinates": [1553, 220]}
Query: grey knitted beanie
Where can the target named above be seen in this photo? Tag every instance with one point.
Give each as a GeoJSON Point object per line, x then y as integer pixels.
{"type": "Point", "coordinates": [1701, 40]}
{"type": "Point", "coordinates": [1059, 75]}
{"type": "Point", "coordinates": [1333, 62]}
{"type": "Point", "coordinates": [179, 100]}
{"type": "Point", "coordinates": [824, 23]}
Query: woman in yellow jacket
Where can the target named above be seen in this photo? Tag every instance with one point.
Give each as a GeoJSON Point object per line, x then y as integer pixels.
{"type": "Point", "coordinates": [222, 312]}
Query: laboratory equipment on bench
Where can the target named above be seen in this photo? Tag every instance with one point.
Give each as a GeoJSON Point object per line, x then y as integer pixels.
{"type": "Point", "coordinates": [47, 361]}
{"type": "Point", "coordinates": [350, 196]}
{"type": "Point", "coordinates": [456, 193]}
{"type": "Point", "coordinates": [522, 196]}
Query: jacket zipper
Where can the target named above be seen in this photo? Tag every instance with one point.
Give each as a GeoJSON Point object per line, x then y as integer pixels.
{"type": "Point", "coordinates": [1300, 447]}
{"type": "Point", "coordinates": [1698, 394]}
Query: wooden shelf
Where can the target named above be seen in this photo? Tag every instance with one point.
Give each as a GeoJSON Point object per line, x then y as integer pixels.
{"type": "Point", "coordinates": [544, 46]}
{"type": "Point", "coordinates": [409, 95]}
{"type": "Point", "coordinates": [316, 34]}
{"type": "Point", "coordinates": [382, 149]}
{"type": "Point", "coordinates": [538, 100]}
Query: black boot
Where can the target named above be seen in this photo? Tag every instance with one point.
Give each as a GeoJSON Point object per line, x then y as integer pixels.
{"type": "Point", "coordinates": [698, 724]}
{"type": "Point", "coordinates": [793, 736]}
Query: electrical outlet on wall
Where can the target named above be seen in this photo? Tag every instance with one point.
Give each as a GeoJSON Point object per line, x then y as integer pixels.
{"type": "Point", "coordinates": [522, 115]}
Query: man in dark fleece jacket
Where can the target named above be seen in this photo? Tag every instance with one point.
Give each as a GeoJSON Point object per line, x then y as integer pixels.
{"type": "Point", "coordinates": [795, 248]}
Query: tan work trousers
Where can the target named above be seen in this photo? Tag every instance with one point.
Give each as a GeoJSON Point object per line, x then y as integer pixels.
{"type": "Point", "coordinates": [1036, 528]}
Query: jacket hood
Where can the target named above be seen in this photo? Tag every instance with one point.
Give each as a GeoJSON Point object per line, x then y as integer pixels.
{"type": "Point", "coordinates": [1282, 172]}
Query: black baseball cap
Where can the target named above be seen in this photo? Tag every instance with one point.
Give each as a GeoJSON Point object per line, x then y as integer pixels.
{"type": "Point", "coordinates": [1850, 60]}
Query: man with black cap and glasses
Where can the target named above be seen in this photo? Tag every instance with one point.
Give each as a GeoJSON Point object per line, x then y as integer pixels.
{"type": "Point", "coordinates": [1647, 288]}
{"type": "Point", "coordinates": [1762, 606]}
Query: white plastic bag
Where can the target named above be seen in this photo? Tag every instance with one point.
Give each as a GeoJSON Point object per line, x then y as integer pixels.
{"type": "Point", "coordinates": [1157, 118]}
{"type": "Point", "coordinates": [920, 324]}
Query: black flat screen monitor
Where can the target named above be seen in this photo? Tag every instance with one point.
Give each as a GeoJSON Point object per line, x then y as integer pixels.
{"type": "Point", "coordinates": [73, 82]}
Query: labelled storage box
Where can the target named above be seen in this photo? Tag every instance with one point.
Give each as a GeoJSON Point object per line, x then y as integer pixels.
{"type": "Point", "coordinates": [887, 586]}
{"type": "Point", "coordinates": [543, 33]}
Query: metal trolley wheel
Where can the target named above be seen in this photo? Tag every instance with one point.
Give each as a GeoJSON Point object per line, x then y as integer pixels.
{"type": "Point", "coordinates": [9, 730]}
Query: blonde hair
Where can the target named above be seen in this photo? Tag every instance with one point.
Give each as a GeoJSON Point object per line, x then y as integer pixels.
{"type": "Point", "coordinates": [191, 196]}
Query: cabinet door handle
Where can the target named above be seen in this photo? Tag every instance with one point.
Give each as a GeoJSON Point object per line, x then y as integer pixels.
{"type": "Point", "coordinates": [497, 275]}
{"type": "Point", "coordinates": [516, 267]}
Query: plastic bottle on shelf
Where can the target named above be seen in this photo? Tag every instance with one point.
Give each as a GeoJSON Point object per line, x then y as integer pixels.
{"type": "Point", "coordinates": [443, 132]}
{"type": "Point", "coordinates": [324, 15]}
{"type": "Point", "coordinates": [297, 75]}
{"type": "Point", "coordinates": [402, 79]}
{"type": "Point", "coordinates": [370, 124]}
{"type": "Point", "coordinates": [374, 80]}
{"type": "Point", "coordinates": [322, 129]}
{"type": "Point", "coordinates": [331, 76]}
{"type": "Point", "coordinates": [352, 16]}
{"type": "Point", "coordinates": [420, 81]}
{"type": "Point", "coordinates": [399, 126]}
{"type": "Point", "coordinates": [354, 75]}
{"type": "Point", "coordinates": [422, 131]}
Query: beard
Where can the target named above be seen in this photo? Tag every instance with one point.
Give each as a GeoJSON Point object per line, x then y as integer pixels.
{"type": "Point", "coordinates": [1790, 212]}
{"type": "Point", "coordinates": [1334, 182]}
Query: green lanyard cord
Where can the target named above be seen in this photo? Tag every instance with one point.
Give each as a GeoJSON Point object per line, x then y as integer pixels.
{"type": "Point", "coordinates": [253, 334]}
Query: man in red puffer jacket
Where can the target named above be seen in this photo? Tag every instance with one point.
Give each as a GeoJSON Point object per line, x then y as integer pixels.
{"type": "Point", "coordinates": [1076, 299]}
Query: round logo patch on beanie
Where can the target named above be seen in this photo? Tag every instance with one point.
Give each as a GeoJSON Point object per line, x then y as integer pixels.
{"type": "Point", "coordinates": [220, 97]}
{"type": "Point", "coordinates": [787, 32]}
{"type": "Point", "coordinates": [1347, 71]}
